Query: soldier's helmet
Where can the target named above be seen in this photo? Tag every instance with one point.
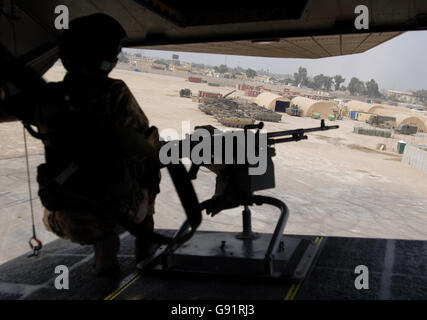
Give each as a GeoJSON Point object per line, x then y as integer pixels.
{"type": "Point", "coordinates": [92, 42]}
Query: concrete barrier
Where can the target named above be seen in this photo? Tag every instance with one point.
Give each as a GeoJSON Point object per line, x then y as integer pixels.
{"type": "Point", "coordinates": [416, 157]}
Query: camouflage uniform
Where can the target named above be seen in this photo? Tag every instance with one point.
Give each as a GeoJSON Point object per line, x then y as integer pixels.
{"type": "Point", "coordinates": [108, 100]}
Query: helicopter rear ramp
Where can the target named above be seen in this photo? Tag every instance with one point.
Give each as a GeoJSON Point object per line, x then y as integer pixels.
{"type": "Point", "coordinates": [397, 270]}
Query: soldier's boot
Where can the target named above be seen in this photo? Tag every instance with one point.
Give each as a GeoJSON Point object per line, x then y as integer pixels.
{"type": "Point", "coordinates": [144, 245]}
{"type": "Point", "coordinates": [144, 248]}
{"type": "Point", "coordinates": [146, 240]}
{"type": "Point", "coordinates": [106, 250]}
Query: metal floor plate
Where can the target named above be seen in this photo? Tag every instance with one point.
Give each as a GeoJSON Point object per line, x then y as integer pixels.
{"type": "Point", "coordinates": [224, 254]}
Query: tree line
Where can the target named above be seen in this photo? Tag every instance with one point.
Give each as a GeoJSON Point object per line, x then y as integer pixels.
{"type": "Point", "coordinates": [250, 73]}
{"type": "Point", "coordinates": [322, 82]}
{"type": "Point", "coordinates": [318, 82]}
{"type": "Point", "coordinates": [422, 95]}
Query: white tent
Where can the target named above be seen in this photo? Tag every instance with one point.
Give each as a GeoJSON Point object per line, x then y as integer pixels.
{"type": "Point", "coordinates": [405, 118]}
{"type": "Point", "coordinates": [355, 105]}
{"type": "Point", "coordinates": [272, 101]}
{"type": "Point", "coordinates": [308, 106]}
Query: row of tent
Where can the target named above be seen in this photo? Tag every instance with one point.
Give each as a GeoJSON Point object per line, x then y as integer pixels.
{"type": "Point", "coordinates": [325, 108]}
{"type": "Point", "coordinates": [401, 114]}
{"type": "Point", "coordinates": [308, 106]}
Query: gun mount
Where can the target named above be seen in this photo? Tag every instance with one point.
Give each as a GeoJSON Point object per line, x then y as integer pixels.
{"type": "Point", "coordinates": [265, 256]}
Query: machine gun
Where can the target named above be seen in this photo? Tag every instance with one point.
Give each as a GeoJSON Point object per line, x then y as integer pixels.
{"type": "Point", "coordinates": [238, 179]}
{"type": "Point", "coordinates": [235, 187]}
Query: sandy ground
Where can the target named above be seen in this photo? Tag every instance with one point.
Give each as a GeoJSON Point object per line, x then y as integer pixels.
{"type": "Point", "coordinates": [335, 183]}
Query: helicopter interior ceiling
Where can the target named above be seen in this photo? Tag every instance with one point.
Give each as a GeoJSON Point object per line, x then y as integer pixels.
{"type": "Point", "coordinates": [287, 29]}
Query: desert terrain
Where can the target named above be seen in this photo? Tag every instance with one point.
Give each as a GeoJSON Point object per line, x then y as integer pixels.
{"type": "Point", "coordinates": [335, 183]}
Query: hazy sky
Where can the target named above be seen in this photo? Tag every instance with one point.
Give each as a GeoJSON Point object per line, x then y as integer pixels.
{"type": "Point", "coordinates": [399, 64]}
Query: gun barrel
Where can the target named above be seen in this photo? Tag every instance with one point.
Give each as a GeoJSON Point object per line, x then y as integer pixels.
{"type": "Point", "coordinates": [299, 131]}
{"type": "Point", "coordinates": [272, 137]}
{"type": "Point", "coordinates": [296, 134]}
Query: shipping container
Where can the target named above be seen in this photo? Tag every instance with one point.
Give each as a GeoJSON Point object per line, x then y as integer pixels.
{"type": "Point", "coordinates": [195, 79]}
{"type": "Point", "coordinates": [209, 94]}
{"type": "Point", "coordinates": [252, 93]}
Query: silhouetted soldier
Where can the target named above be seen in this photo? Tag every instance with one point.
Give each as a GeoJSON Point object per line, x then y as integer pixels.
{"type": "Point", "coordinates": [101, 172]}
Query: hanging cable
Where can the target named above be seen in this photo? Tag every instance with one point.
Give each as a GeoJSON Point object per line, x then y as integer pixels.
{"type": "Point", "coordinates": [35, 243]}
